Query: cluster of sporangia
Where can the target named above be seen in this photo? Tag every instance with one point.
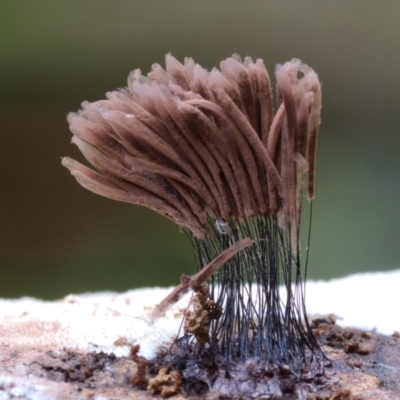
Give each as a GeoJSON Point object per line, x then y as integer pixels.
{"type": "Point", "coordinates": [207, 150]}
{"type": "Point", "coordinates": [189, 143]}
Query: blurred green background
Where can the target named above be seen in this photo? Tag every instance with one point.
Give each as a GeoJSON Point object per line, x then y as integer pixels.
{"type": "Point", "coordinates": [57, 238]}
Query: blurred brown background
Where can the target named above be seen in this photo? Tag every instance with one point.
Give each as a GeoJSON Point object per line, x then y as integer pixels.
{"type": "Point", "coordinates": [57, 238]}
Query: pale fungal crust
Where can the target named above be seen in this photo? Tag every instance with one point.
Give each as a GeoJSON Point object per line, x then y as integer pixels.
{"type": "Point", "coordinates": [102, 322]}
{"type": "Point", "coordinates": [37, 336]}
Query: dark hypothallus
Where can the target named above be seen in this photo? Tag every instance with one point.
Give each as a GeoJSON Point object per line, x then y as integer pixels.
{"type": "Point", "coordinates": [213, 152]}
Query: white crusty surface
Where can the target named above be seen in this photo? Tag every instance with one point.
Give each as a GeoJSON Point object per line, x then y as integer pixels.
{"type": "Point", "coordinates": [91, 321]}
{"type": "Point", "coordinates": [366, 301]}
{"type": "Point", "coordinates": [95, 321]}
